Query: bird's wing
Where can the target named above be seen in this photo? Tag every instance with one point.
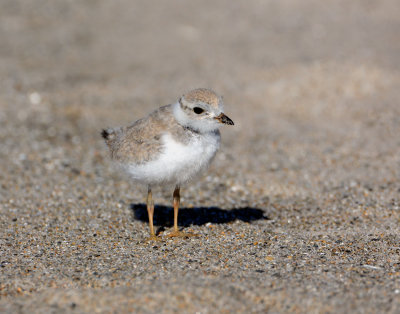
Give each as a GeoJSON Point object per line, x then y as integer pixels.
{"type": "Point", "coordinates": [141, 141]}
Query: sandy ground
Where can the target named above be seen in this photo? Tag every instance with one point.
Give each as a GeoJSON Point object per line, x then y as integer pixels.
{"type": "Point", "coordinates": [300, 209]}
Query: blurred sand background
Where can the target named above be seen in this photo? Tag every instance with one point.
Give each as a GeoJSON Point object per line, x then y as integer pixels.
{"type": "Point", "coordinates": [300, 209]}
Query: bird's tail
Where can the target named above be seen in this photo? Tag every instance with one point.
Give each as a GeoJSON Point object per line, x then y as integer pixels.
{"type": "Point", "coordinates": [106, 133]}
{"type": "Point", "coordinates": [109, 135]}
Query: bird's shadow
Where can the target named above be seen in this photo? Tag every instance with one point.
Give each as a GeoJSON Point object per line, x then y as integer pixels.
{"type": "Point", "coordinates": [163, 215]}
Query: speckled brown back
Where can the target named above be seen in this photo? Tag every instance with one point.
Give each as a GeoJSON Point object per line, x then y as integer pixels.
{"type": "Point", "coordinates": [141, 141]}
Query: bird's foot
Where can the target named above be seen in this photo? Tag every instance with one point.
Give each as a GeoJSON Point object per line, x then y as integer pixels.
{"type": "Point", "coordinates": [153, 237]}
{"type": "Point", "coordinates": [181, 234]}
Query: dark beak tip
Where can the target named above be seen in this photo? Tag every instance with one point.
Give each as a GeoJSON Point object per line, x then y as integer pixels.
{"type": "Point", "coordinates": [225, 119]}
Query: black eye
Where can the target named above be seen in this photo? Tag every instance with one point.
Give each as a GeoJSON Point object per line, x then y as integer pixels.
{"type": "Point", "coordinates": [198, 110]}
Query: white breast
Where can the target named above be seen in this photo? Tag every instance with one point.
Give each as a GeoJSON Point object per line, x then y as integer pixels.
{"type": "Point", "coordinates": [178, 162]}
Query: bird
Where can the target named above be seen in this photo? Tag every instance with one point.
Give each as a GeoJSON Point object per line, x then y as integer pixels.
{"type": "Point", "coordinates": [171, 146]}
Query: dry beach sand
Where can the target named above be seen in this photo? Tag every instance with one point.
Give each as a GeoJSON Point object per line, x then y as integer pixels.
{"type": "Point", "coordinates": [300, 209]}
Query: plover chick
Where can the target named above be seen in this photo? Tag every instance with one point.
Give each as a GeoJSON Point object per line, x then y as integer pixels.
{"type": "Point", "coordinates": [170, 146]}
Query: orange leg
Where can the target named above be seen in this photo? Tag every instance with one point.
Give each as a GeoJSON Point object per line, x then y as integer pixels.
{"type": "Point", "coordinates": [177, 200]}
{"type": "Point", "coordinates": [176, 232]}
{"type": "Point", "coordinates": [150, 212]}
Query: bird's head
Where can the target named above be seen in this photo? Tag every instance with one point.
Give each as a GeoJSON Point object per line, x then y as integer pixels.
{"type": "Point", "coordinates": [202, 110]}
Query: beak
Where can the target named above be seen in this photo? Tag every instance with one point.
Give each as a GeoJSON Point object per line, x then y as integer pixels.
{"type": "Point", "coordinates": [224, 119]}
